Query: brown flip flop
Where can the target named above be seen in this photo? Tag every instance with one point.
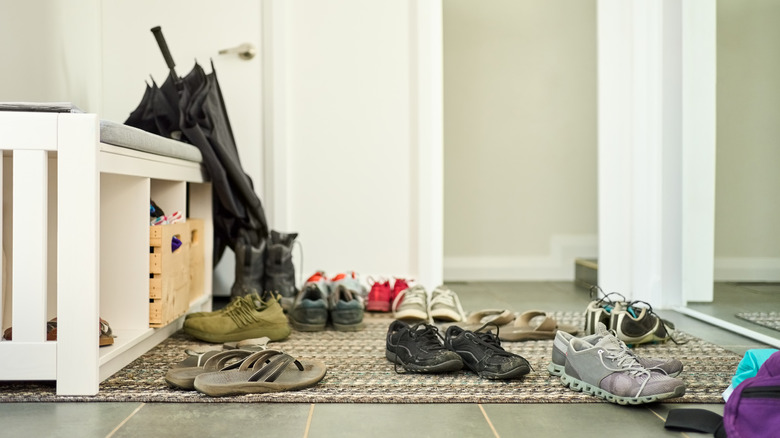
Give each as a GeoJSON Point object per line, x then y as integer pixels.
{"type": "Point", "coordinates": [489, 317]}
{"type": "Point", "coordinates": [182, 375]}
{"type": "Point", "coordinates": [533, 325]}
{"type": "Point", "coordinates": [264, 371]}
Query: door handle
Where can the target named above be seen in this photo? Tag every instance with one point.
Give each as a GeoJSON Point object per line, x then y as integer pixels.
{"type": "Point", "coordinates": [245, 51]}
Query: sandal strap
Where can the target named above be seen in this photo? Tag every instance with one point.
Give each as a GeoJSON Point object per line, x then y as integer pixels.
{"type": "Point", "coordinates": [548, 324]}
{"type": "Point", "coordinates": [257, 359]}
{"type": "Point", "coordinates": [270, 371]}
{"type": "Point", "coordinates": [220, 361]}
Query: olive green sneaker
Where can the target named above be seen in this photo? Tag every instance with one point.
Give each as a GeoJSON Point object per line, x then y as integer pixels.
{"type": "Point", "coordinates": [244, 318]}
{"type": "Point", "coordinates": [233, 303]}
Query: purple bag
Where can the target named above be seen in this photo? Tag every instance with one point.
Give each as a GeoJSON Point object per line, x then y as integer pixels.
{"type": "Point", "coordinates": [753, 409]}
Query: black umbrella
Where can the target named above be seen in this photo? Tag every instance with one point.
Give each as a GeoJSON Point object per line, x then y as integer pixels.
{"type": "Point", "coordinates": [193, 110]}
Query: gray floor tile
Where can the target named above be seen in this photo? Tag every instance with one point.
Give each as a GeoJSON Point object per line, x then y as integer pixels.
{"type": "Point", "coordinates": [217, 419]}
{"type": "Point", "coordinates": [393, 421]}
{"type": "Point", "coordinates": [575, 420]}
{"type": "Point", "coordinates": [84, 420]}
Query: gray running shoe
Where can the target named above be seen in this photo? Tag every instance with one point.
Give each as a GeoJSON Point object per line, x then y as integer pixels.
{"type": "Point", "coordinates": [607, 370]}
{"type": "Point", "coordinates": [413, 305]}
{"type": "Point", "coordinates": [346, 302]}
{"type": "Point", "coordinates": [445, 306]}
{"type": "Point", "coordinates": [557, 367]}
{"type": "Point", "coordinates": [310, 309]}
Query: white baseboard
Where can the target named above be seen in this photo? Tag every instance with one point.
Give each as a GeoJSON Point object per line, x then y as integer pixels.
{"type": "Point", "coordinates": [558, 265]}
{"type": "Point", "coordinates": [766, 269]}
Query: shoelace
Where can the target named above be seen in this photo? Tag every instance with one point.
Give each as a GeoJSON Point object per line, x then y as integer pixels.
{"type": "Point", "coordinates": [426, 336]}
{"type": "Point", "coordinates": [493, 342]}
{"type": "Point", "coordinates": [609, 303]}
{"type": "Point", "coordinates": [626, 361]}
{"type": "Point", "coordinates": [414, 296]}
{"type": "Point", "coordinates": [606, 300]}
{"type": "Point", "coordinates": [447, 298]}
{"type": "Point", "coordinates": [243, 313]}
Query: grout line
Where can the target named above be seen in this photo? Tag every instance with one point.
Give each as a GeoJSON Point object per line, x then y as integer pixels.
{"type": "Point", "coordinates": [490, 423]}
{"type": "Point", "coordinates": [308, 421]}
{"type": "Point", "coordinates": [656, 414]}
{"type": "Point", "coordinates": [664, 420]}
{"type": "Point", "coordinates": [110, 434]}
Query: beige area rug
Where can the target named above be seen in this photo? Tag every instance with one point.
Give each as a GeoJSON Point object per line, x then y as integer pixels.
{"type": "Point", "coordinates": [764, 319]}
{"type": "Point", "coordinates": [358, 372]}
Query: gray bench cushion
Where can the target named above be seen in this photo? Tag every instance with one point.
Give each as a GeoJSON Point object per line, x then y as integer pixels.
{"type": "Point", "coordinates": [118, 134]}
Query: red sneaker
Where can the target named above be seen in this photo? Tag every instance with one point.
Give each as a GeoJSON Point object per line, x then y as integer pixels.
{"type": "Point", "coordinates": [379, 297]}
{"type": "Point", "coordinates": [399, 285]}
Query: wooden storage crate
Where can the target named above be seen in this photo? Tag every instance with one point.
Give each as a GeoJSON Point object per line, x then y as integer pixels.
{"type": "Point", "coordinates": [169, 273]}
{"type": "Point", "coordinates": [197, 257]}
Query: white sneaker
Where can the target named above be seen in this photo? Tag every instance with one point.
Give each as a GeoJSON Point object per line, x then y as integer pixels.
{"type": "Point", "coordinates": [411, 304]}
{"type": "Point", "coordinates": [445, 306]}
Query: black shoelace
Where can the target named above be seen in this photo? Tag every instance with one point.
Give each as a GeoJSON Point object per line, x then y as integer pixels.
{"type": "Point", "coordinates": [493, 342]}
{"type": "Point", "coordinates": [427, 338]}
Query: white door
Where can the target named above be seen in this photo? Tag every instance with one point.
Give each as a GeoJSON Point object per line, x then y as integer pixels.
{"type": "Point", "coordinates": [195, 30]}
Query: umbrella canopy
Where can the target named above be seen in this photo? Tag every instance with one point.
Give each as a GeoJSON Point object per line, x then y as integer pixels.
{"type": "Point", "coordinates": [193, 110]}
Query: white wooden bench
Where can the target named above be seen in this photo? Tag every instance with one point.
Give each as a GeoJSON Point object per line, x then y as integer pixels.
{"type": "Point", "coordinates": [78, 225]}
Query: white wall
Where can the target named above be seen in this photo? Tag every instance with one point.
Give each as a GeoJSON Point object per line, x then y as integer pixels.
{"type": "Point", "coordinates": [520, 138]}
{"type": "Point", "coordinates": [50, 52]}
{"type": "Point", "coordinates": [747, 237]}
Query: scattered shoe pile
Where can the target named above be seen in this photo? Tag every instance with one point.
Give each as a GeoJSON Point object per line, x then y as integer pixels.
{"type": "Point", "coordinates": [420, 348]}
{"type": "Point", "coordinates": [633, 322]}
{"type": "Point", "coordinates": [244, 371]}
{"type": "Point", "coordinates": [413, 305]}
{"type": "Point", "coordinates": [603, 365]}
{"type": "Point", "coordinates": [245, 317]}
{"type": "Point", "coordinates": [338, 300]}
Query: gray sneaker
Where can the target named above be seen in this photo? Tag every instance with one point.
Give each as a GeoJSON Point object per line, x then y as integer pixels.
{"type": "Point", "coordinates": [557, 367]}
{"type": "Point", "coordinates": [445, 306]}
{"type": "Point", "coordinates": [310, 310]}
{"type": "Point", "coordinates": [411, 305]}
{"type": "Point", "coordinates": [606, 369]}
{"type": "Point", "coordinates": [346, 302]}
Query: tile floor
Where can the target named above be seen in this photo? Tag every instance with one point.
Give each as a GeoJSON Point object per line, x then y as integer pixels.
{"type": "Point", "coordinates": [381, 420]}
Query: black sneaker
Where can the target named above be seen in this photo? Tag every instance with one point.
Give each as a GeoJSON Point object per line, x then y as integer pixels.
{"type": "Point", "coordinates": [419, 349]}
{"type": "Point", "coordinates": [482, 353]}
{"type": "Point", "coordinates": [635, 323]}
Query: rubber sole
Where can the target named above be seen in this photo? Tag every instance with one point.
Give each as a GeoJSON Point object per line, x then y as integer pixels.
{"type": "Point", "coordinates": [579, 385]}
{"type": "Point", "coordinates": [276, 333]}
{"type": "Point", "coordinates": [305, 327]}
{"type": "Point", "coordinates": [512, 374]}
{"type": "Point", "coordinates": [444, 367]}
{"type": "Point", "coordinates": [556, 370]}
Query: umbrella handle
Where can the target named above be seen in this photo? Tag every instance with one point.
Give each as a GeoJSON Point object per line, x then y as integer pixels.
{"type": "Point", "coordinates": [157, 31]}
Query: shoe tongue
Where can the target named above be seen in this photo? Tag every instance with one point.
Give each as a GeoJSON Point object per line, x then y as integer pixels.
{"type": "Point", "coordinates": [601, 329]}
{"type": "Point", "coordinates": [609, 342]}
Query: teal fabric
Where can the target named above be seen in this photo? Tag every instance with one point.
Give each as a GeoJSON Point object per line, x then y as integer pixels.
{"type": "Point", "coordinates": [750, 363]}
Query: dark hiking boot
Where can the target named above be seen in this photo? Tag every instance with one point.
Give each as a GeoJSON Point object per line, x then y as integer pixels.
{"type": "Point", "coordinates": [279, 268]}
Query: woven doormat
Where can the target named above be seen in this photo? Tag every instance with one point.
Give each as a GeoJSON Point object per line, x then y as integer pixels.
{"type": "Point", "coordinates": [358, 372]}
{"type": "Point", "coordinates": [765, 319]}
